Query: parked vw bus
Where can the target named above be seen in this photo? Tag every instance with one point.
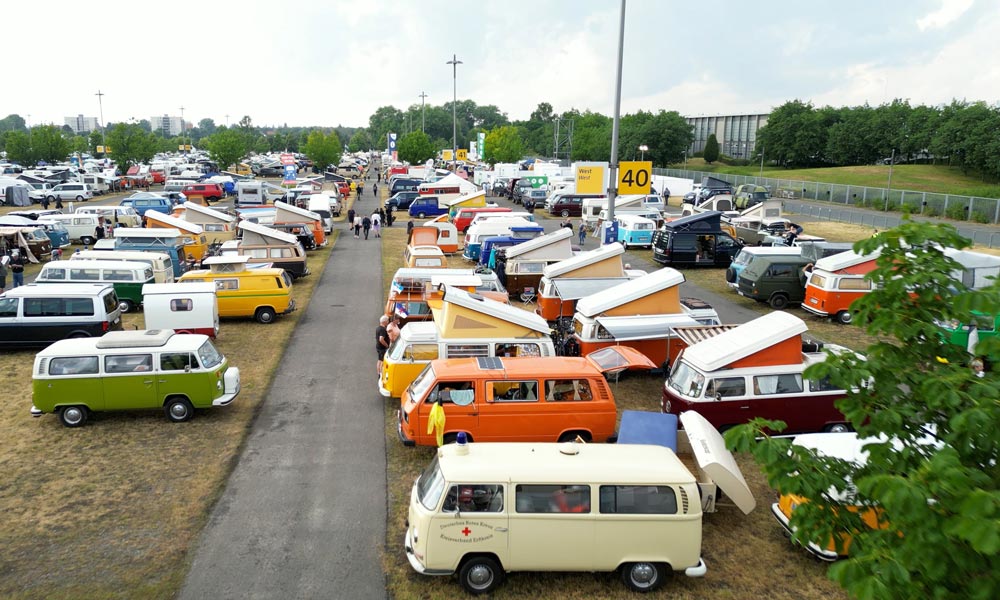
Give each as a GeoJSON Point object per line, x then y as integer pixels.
{"type": "Point", "coordinates": [126, 277]}
{"type": "Point", "coordinates": [131, 370]}
{"type": "Point", "coordinates": [634, 230]}
{"type": "Point", "coordinates": [259, 293]}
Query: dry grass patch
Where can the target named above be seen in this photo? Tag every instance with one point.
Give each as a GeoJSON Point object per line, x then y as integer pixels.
{"type": "Point", "coordinates": [112, 509]}
{"type": "Point", "coordinates": [747, 556]}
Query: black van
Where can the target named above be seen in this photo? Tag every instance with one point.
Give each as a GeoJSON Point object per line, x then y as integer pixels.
{"type": "Point", "coordinates": [404, 185]}
{"type": "Point", "coordinates": [39, 314]}
{"type": "Point", "coordinates": [696, 240]}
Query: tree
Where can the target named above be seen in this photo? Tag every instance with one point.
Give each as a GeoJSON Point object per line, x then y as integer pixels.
{"type": "Point", "coordinates": [415, 148]}
{"type": "Point", "coordinates": [206, 127]}
{"type": "Point", "coordinates": [49, 143]}
{"type": "Point", "coordinates": [711, 152]}
{"type": "Point", "coordinates": [19, 148]}
{"type": "Point", "coordinates": [503, 145]}
{"type": "Point", "coordinates": [130, 145]}
{"type": "Point", "coordinates": [939, 501]}
{"type": "Point", "coordinates": [226, 147]}
{"type": "Point", "coordinates": [360, 141]}
{"type": "Point", "coordinates": [13, 122]}
{"type": "Point", "coordinates": [323, 149]}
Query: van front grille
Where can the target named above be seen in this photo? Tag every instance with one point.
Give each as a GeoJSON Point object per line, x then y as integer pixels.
{"type": "Point", "coordinates": [684, 500]}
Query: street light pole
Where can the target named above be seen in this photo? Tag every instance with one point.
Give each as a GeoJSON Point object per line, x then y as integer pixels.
{"type": "Point", "coordinates": [423, 112]}
{"type": "Point", "coordinates": [454, 62]}
{"type": "Point", "coordinates": [613, 167]}
{"type": "Point", "coordinates": [100, 104]}
{"type": "Point", "coordinates": [183, 141]}
{"type": "Point", "coordinates": [643, 149]}
{"type": "Point", "coordinates": [761, 161]}
{"type": "Point", "coordinates": [888, 185]}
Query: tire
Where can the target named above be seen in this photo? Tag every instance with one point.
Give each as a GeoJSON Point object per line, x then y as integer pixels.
{"type": "Point", "coordinates": [80, 199]}
{"type": "Point", "coordinates": [265, 315]}
{"type": "Point", "coordinates": [50, 199]}
{"type": "Point", "coordinates": [837, 428]}
{"type": "Point", "coordinates": [564, 213]}
{"type": "Point", "coordinates": [420, 215]}
{"type": "Point", "coordinates": [569, 436]}
{"type": "Point", "coordinates": [844, 317]}
{"type": "Point", "coordinates": [778, 301]}
{"type": "Point", "coordinates": [73, 416]}
{"type": "Point", "coordinates": [644, 576]}
{"type": "Point", "coordinates": [88, 241]}
{"type": "Point", "coordinates": [480, 575]}
{"type": "Point", "coordinates": [126, 306]}
{"type": "Point", "coordinates": [730, 275]}
{"type": "Point", "coordinates": [178, 410]}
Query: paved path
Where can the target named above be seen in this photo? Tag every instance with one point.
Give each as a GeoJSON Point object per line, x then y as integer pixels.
{"type": "Point", "coordinates": [303, 514]}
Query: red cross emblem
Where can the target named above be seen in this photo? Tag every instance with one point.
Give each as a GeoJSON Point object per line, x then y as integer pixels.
{"type": "Point", "coordinates": [466, 531]}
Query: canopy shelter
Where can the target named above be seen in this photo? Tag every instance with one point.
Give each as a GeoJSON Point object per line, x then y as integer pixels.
{"type": "Point", "coordinates": [774, 339]}
{"type": "Point", "coordinates": [259, 234]}
{"type": "Point", "coordinates": [462, 314]}
{"type": "Point", "coordinates": [655, 293]}
{"type": "Point", "coordinates": [602, 262]}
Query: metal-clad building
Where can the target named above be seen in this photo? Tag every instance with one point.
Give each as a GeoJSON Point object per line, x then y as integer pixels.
{"type": "Point", "coordinates": [737, 134]}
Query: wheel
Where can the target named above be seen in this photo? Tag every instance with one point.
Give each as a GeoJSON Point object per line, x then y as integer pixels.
{"type": "Point", "coordinates": [178, 410]}
{"type": "Point", "coordinates": [569, 436]}
{"type": "Point", "coordinates": [126, 306]}
{"type": "Point", "coordinates": [564, 213]}
{"type": "Point", "coordinates": [73, 416]}
{"type": "Point", "coordinates": [480, 575]}
{"type": "Point", "coordinates": [844, 317]}
{"type": "Point", "coordinates": [643, 576]}
{"type": "Point", "coordinates": [88, 241]}
{"type": "Point", "coordinates": [265, 315]}
{"type": "Point", "coordinates": [779, 301]}
{"type": "Point", "coordinates": [420, 215]}
{"type": "Point", "coordinates": [50, 198]}
{"type": "Point", "coordinates": [79, 199]}
{"type": "Point", "coordinates": [838, 428]}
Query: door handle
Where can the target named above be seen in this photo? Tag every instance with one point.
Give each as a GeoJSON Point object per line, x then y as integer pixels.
{"type": "Point", "coordinates": [162, 381]}
{"type": "Point", "coordinates": [745, 407]}
{"type": "Point", "coordinates": [147, 381]}
{"type": "Point", "coordinates": [475, 414]}
{"type": "Point", "coordinates": [500, 529]}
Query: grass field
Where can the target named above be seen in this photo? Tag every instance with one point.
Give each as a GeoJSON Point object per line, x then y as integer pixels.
{"type": "Point", "coordinates": [921, 178]}
{"type": "Point", "coordinates": [747, 556]}
{"type": "Point", "coordinates": [111, 510]}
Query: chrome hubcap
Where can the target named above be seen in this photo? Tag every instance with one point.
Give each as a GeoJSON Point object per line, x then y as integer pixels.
{"type": "Point", "coordinates": [178, 410]}
{"type": "Point", "coordinates": [643, 574]}
{"type": "Point", "coordinates": [480, 576]}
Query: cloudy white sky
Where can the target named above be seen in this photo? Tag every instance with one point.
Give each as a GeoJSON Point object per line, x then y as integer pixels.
{"type": "Point", "coordinates": [331, 62]}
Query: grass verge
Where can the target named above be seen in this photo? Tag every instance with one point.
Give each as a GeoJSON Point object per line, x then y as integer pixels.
{"type": "Point", "coordinates": [111, 510]}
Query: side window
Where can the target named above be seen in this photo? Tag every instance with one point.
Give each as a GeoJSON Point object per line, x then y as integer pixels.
{"type": "Point", "coordinates": [453, 392]}
{"type": "Point", "coordinates": [53, 275]}
{"type": "Point", "coordinates": [466, 350]}
{"type": "Point", "coordinates": [181, 304]}
{"type": "Point", "coordinates": [474, 498]}
{"type": "Point", "coordinates": [44, 307]}
{"type": "Point", "coordinates": [638, 500]}
{"type": "Point", "coordinates": [823, 385]}
{"type": "Point", "coordinates": [782, 270]}
{"type": "Point", "coordinates": [85, 274]}
{"type": "Point", "coordinates": [790, 383]}
{"type": "Point", "coordinates": [281, 253]}
{"type": "Point", "coordinates": [256, 252]}
{"type": "Point", "coordinates": [552, 498]}
{"type": "Point", "coordinates": [685, 243]}
{"type": "Point", "coordinates": [177, 361]}
{"type": "Point", "coordinates": [512, 391]}
{"type": "Point", "coordinates": [508, 350]}
{"type": "Point", "coordinates": [128, 363]}
{"type": "Point", "coordinates": [118, 275]}
{"type": "Point", "coordinates": [227, 284]}
{"type": "Point", "coordinates": [726, 387]}
{"type": "Point", "coordinates": [421, 352]}
{"type": "Point", "coordinates": [79, 307]}
{"type": "Point", "coordinates": [73, 365]}
{"type": "Point", "coordinates": [568, 390]}
{"type": "Point", "coordinates": [854, 283]}
{"type": "Point", "coordinates": [8, 307]}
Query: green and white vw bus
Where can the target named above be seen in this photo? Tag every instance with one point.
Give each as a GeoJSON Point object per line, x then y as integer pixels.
{"type": "Point", "coordinates": [128, 277]}
{"type": "Point", "coordinates": [132, 370]}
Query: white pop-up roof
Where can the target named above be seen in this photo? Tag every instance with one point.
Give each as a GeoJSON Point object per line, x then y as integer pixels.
{"type": "Point", "coordinates": [209, 214]}
{"type": "Point", "coordinates": [286, 213]}
{"type": "Point", "coordinates": [259, 234]}
{"type": "Point", "coordinates": [181, 224]}
{"type": "Point", "coordinates": [499, 310]}
{"type": "Point", "coordinates": [464, 186]}
{"type": "Point", "coordinates": [584, 259]}
{"type": "Point", "coordinates": [743, 341]}
{"type": "Point", "coordinates": [139, 232]}
{"type": "Point", "coordinates": [629, 291]}
{"type": "Point", "coordinates": [845, 260]}
{"type": "Point", "coordinates": [542, 243]}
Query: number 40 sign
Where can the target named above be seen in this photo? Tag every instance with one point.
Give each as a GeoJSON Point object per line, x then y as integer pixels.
{"type": "Point", "coordinates": [634, 177]}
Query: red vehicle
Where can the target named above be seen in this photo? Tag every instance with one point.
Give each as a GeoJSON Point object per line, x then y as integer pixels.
{"type": "Point", "coordinates": [158, 176]}
{"type": "Point", "coordinates": [208, 191]}
{"type": "Point", "coordinates": [463, 218]}
{"type": "Point", "coordinates": [755, 370]}
{"type": "Point", "coordinates": [344, 188]}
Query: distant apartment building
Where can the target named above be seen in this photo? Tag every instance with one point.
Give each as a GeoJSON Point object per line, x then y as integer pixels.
{"type": "Point", "coordinates": [737, 134]}
{"type": "Point", "coordinates": [171, 126]}
{"type": "Point", "coordinates": [81, 124]}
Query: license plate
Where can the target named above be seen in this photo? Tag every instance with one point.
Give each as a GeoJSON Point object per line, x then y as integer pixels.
{"type": "Point", "coordinates": [813, 301]}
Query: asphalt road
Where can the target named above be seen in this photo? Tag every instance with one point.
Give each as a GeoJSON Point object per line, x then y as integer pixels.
{"type": "Point", "coordinates": [303, 514]}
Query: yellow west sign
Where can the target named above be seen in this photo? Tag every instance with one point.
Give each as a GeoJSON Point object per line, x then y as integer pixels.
{"type": "Point", "coordinates": [463, 154]}
{"type": "Point", "coordinates": [446, 155]}
{"type": "Point", "coordinates": [590, 179]}
{"type": "Point", "coordinates": [634, 177]}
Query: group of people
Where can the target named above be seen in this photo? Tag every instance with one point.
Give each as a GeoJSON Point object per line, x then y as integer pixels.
{"type": "Point", "coordinates": [13, 262]}
{"type": "Point", "coordinates": [385, 334]}
{"type": "Point", "coordinates": [581, 229]}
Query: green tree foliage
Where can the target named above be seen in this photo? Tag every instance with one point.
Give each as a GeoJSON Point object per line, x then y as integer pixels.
{"type": "Point", "coordinates": [93, 141]}
{"type": "Point", "coordinates": [130, 145]}
{"type": "Point", "coordinates": [206, 127]}
{"type": "Point", "coordinates": [939, 499]}
{"type": "Point", "coordinates": [19, 148]}
{"type": "Point", "coordinates": [226, 147]}
{"type": "Point", "coordinates": [323, 149]}
{"type": "Point", "coordinates": [13, 122]}
{"type": "Point", "coordinates": [360, 141]}
{"type": "Point", "coordinates": [503, 145]}
{"type": "Point", "coordinates": [711, 152]}
{"type": "Point", "coordinates": [591, 135]}
{"type": "Point", "coordinates": [44, 142]}
{"type": "Point", "coordinates": [415, 148]}
{"type": "Point", "coordinates": [386, 120]}
{"type": "Point", "coordinates": [666, 134]}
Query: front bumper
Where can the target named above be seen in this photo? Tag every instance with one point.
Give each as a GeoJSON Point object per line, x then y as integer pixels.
{"type": "Point", "coordinates": [811, 548]}
{"type": "Point", "coordinates": [819, 313]}
{"type": "Point", "coordinates": [36, 412]}
{"type": "Point", "coordinates": [415, 562]}
{"type": "Point", "coordinates": [231, 386]}
{"type": "Point", "coordinates": [399, 431]}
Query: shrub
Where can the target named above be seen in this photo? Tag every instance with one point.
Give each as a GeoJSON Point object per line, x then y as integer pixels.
{"type": "Point", "coordinates": [956, 211]}
{"type": "Point", "coordinates": [980, 216]}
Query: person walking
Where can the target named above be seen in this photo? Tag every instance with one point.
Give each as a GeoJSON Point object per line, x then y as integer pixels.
{"type": "Point", "coordinates": [45, 203]}
{"type": "Point", "coordinates": [3, 273]}
{"type": "Point", "coordinates": [350, 218]}
{"type": "Point", "coordinates": [366, 224]}
{"type": "Point", "coordinates": [582, 233]}
{"type": "Point", "coordinates": [99, 232]}
{"type": "Point", "coordinates": [17, 267]}
{"type": "Point", "coordinates": [361, 188]}
{"type": "Point", "coordinates": [376, 224]}
{"type": "Point", "coordinates": [388, 216]}
{"type": "Point", "coordinates": [381, 341]}
{"type": "Point", "coordinates": [357, 226]}
{"type": "Point", "coordinates": [375, 190]}
{"type": "Point", "coordinates": [409, 228]}
{"type": "Point", "coordinates": [59, 204]}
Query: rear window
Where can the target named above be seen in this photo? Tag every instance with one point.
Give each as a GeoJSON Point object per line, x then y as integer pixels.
{"type": "Point", "coordinates": [110, 302]}
{"type": "Point", "coordinates": [58, 307]}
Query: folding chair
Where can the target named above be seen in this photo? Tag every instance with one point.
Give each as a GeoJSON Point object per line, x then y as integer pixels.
{"type": "Point", "coordinates": [528, 295]}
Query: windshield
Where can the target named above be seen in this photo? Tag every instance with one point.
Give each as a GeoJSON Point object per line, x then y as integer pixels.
{"type": "Point", "coordinates": [430, 485]}
{"type": "Point", "coordinates": [396, 349]}
{"type": "Point", "coordinates": [742, 258]}
{"type": "Point", "coordinates": [422, 384]}
{"type": "Point", "coordinates": [209, 356]}
{"type": "Point", "coordinates": [686, 381]}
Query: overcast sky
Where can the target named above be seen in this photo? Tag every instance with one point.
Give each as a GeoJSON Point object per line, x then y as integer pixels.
{"type": "Point", "coordinates": [333, 62]}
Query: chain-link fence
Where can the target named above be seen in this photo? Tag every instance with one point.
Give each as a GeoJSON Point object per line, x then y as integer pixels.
{"type": "Point", "coordinates": [960, 208]}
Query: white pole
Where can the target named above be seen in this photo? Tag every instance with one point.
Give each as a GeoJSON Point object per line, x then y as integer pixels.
{"type": "Point", "coordinates": [613, 167]}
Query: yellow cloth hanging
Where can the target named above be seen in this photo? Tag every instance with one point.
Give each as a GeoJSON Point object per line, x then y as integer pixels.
{"type": "Point", "coordinates": [435, 421]}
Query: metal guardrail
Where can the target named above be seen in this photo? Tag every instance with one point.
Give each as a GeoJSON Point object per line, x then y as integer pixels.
{"type": "Point", "coordinates": [959, 208]}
